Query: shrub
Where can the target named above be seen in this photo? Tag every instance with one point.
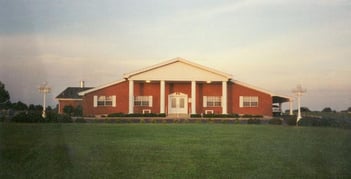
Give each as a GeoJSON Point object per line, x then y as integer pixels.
{"type": "Point", "coordinates": [275, 121]}
{"type": "Point", "coordinates": [20, 117]}
{"type": "Point", "coordinates": [195, 115]}
{"type": "Point", "coordinates": [314, 121]}
{"type": "Point", "coordinates": [251, 116]}
{"type": "Point", "coordinates": [80, 120]}
{"type": "Point", "coordinates": [254, 121]}
{"type": "Point", "coordinates": [290, 120]}
{"type": "Point", "coordinates": [116, 115]}
{"type": "Point", "coordinates": [64, 118]}
{"type": "Point", "coordinates": [30, 116]}
{"type": "Point", "coordinates": [137, 115]}
{"type": "Point", "coordinates": [215, 116]}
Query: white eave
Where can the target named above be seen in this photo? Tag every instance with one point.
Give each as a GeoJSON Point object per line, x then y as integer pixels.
{"type": "Point", "coordinates": [100, 87]}
{"type": "Point", "coordinates": [261, 90]}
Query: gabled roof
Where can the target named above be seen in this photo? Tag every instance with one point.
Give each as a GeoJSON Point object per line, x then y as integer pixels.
{"type": "Point", "coordinates": [186, 63]}
{"type": "Point", "coordinates": [72, 93]}
{"type": "Point", "coordinates": [82, 93]}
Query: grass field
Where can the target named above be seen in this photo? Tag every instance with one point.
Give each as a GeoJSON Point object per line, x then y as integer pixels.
{"type": "Point", "coordinates": [172, 151]}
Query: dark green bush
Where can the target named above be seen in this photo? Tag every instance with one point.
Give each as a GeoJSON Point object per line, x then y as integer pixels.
{"type": "Point", "coordinates": [80, 120]}
{"type": "Point", "coordinates": [20, 117]}
{"type": "Point", "coordinates": [195, 115]}
{"type": "Point", "coordinates": [117, 115]}
{"type": "Point", "coordinates": [215, 116]}
{"type": "Point", "coordinates": [251, 116]}
{"type": "Point", "coordinates": [254, 121]}
{"type": "Point", "coordinates": [290, 120]}
{"type": "Point", "coordinates": [137, 115]}
{"type": "Point", "coordinates": [318, 121]}
{"type": "Point", "coordinates": [29, 116]}
{"type": "Point", "coordinates": [64, 118]}
{"type": "Point", "coordinates": [275, 121]}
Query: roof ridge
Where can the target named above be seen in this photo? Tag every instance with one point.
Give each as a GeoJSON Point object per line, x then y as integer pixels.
{"type": "Point", "coordinates": [174, 60]}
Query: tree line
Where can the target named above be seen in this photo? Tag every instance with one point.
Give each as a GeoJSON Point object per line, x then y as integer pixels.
{"type": "Point", "coordinates": [21, 112]}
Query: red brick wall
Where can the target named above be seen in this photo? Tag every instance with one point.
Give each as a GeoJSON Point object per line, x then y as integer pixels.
{"type": "Point", "coordinates": [264, 100]}
{"type": "Point", "coordinates": [141, 88]}
{"type": "Point", "coordinates": [121, 92]}
{"type": "Point", "coordinates": [207, 89]}
{"type": "Point", "coordinates": [63, 103]}
{"type": "Point", "coordinates": [147, 89]}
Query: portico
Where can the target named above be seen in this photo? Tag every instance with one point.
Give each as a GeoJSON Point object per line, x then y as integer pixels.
{"type": "Point", "coordinates": [174, 98]}
{"type": "Point", "coordinates": [179, 100]}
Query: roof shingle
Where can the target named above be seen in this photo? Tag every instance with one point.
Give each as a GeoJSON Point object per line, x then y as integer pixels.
{"type": "Point", "coordinates": [72, 93]}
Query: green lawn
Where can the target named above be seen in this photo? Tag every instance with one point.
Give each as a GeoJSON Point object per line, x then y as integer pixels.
{"type": "Point", "coordinates": [172, 151]}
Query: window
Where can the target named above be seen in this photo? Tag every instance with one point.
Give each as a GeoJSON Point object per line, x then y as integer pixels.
{"type": "Point", "coordinates": [248, 101]}
{"type": "Point", "coordinates": [104, 101]}
{"type": "Point", "coordinates": [212, 101]}
{"type": "Point", "coordinates": [143, 101]}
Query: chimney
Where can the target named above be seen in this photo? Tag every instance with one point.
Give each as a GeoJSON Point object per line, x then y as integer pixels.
{"type": "Point", "coordinates": [82, 84]}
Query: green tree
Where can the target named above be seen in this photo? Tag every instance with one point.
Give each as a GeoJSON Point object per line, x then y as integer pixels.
{"type": "Point", "coordinates": [33, 107]}
{"type": "Point", "coordinates": [327, 109]}
{"type": "Point", "coordinates": [19, 106]}
{"type": "Point", "coordinates": [305, 109]}
{"type": "Point", "coordinates": [4, 96]}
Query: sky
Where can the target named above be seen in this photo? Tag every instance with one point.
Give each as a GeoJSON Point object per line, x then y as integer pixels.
{"type": "Point", "coordinates": [271, 44]}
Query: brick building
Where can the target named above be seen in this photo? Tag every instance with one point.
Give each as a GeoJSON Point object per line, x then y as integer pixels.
{"type": "Point", "coordinates": [177, 87]}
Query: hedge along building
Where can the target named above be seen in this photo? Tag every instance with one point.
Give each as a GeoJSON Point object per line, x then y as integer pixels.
{"type": "Point", "coordinates": [178, 87]}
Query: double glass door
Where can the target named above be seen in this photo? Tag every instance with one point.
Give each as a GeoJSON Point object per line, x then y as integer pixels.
{"type": "Point", "coordinates": [178, 104]}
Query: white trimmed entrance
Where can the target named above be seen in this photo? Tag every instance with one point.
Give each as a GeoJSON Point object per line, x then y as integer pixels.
{"type": "Point", "coordinates": [178, 103]}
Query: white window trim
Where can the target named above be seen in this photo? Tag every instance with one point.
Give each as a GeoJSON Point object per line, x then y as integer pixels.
{"type": "Point", "coordinates": [250, 100]}
{"type": "Point", "coordinates": [215, 98]}
{"type": "Point", "coordinates": [143, 99]}
{"type": "Point", "coordinates": [96, 101]}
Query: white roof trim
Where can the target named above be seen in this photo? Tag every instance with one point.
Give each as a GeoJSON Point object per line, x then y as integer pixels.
{"type": "Point", "coordinates": [252, 87]}
{"type": "Point", "coordinates": [178, 59]}
{"type": "Point", "coordinates": [100, 87]}
{"type": "Point", "coordinates": [260, 89]}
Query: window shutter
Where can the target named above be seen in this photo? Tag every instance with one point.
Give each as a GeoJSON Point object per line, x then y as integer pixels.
{"type": "Point", "coordinates": [113, 101]}
{"type": "Point", "coordinates": [150, 101]}
{"type": "Point", "coordinates": [241, 101]}
{"type": "Point", "coordinates": [204, 101]}
{"type": "Point", "coordinates": [95, 101]}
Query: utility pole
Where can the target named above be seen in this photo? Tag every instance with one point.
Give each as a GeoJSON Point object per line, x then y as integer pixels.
{"type": "Point", "coordinates": [299, 91]}
{"type": "Point", "coordinates": [44, 89]}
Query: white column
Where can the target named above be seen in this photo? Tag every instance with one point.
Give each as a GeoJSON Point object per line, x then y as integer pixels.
{"type": "Point", "coordinates": [162, 97]}
{"type": "Point", "coordinates": [131, 96]}
{"type": "Point", "coordinates": [193, 97]}
{"type": "Point", "coordinates": [291, 107]}
{"type": "Point", "coordinates": [224, 97]}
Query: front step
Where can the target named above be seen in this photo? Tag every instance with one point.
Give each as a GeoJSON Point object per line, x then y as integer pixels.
{"type": "Point", "coordinates": [178, 116]}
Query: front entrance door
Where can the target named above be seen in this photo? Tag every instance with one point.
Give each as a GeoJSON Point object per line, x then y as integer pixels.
{"type": "Point", "coordinates": [177, 103]}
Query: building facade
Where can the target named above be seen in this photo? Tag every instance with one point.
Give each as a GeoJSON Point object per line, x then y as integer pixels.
{"type": "Point", "coordinates": [178, 87]}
